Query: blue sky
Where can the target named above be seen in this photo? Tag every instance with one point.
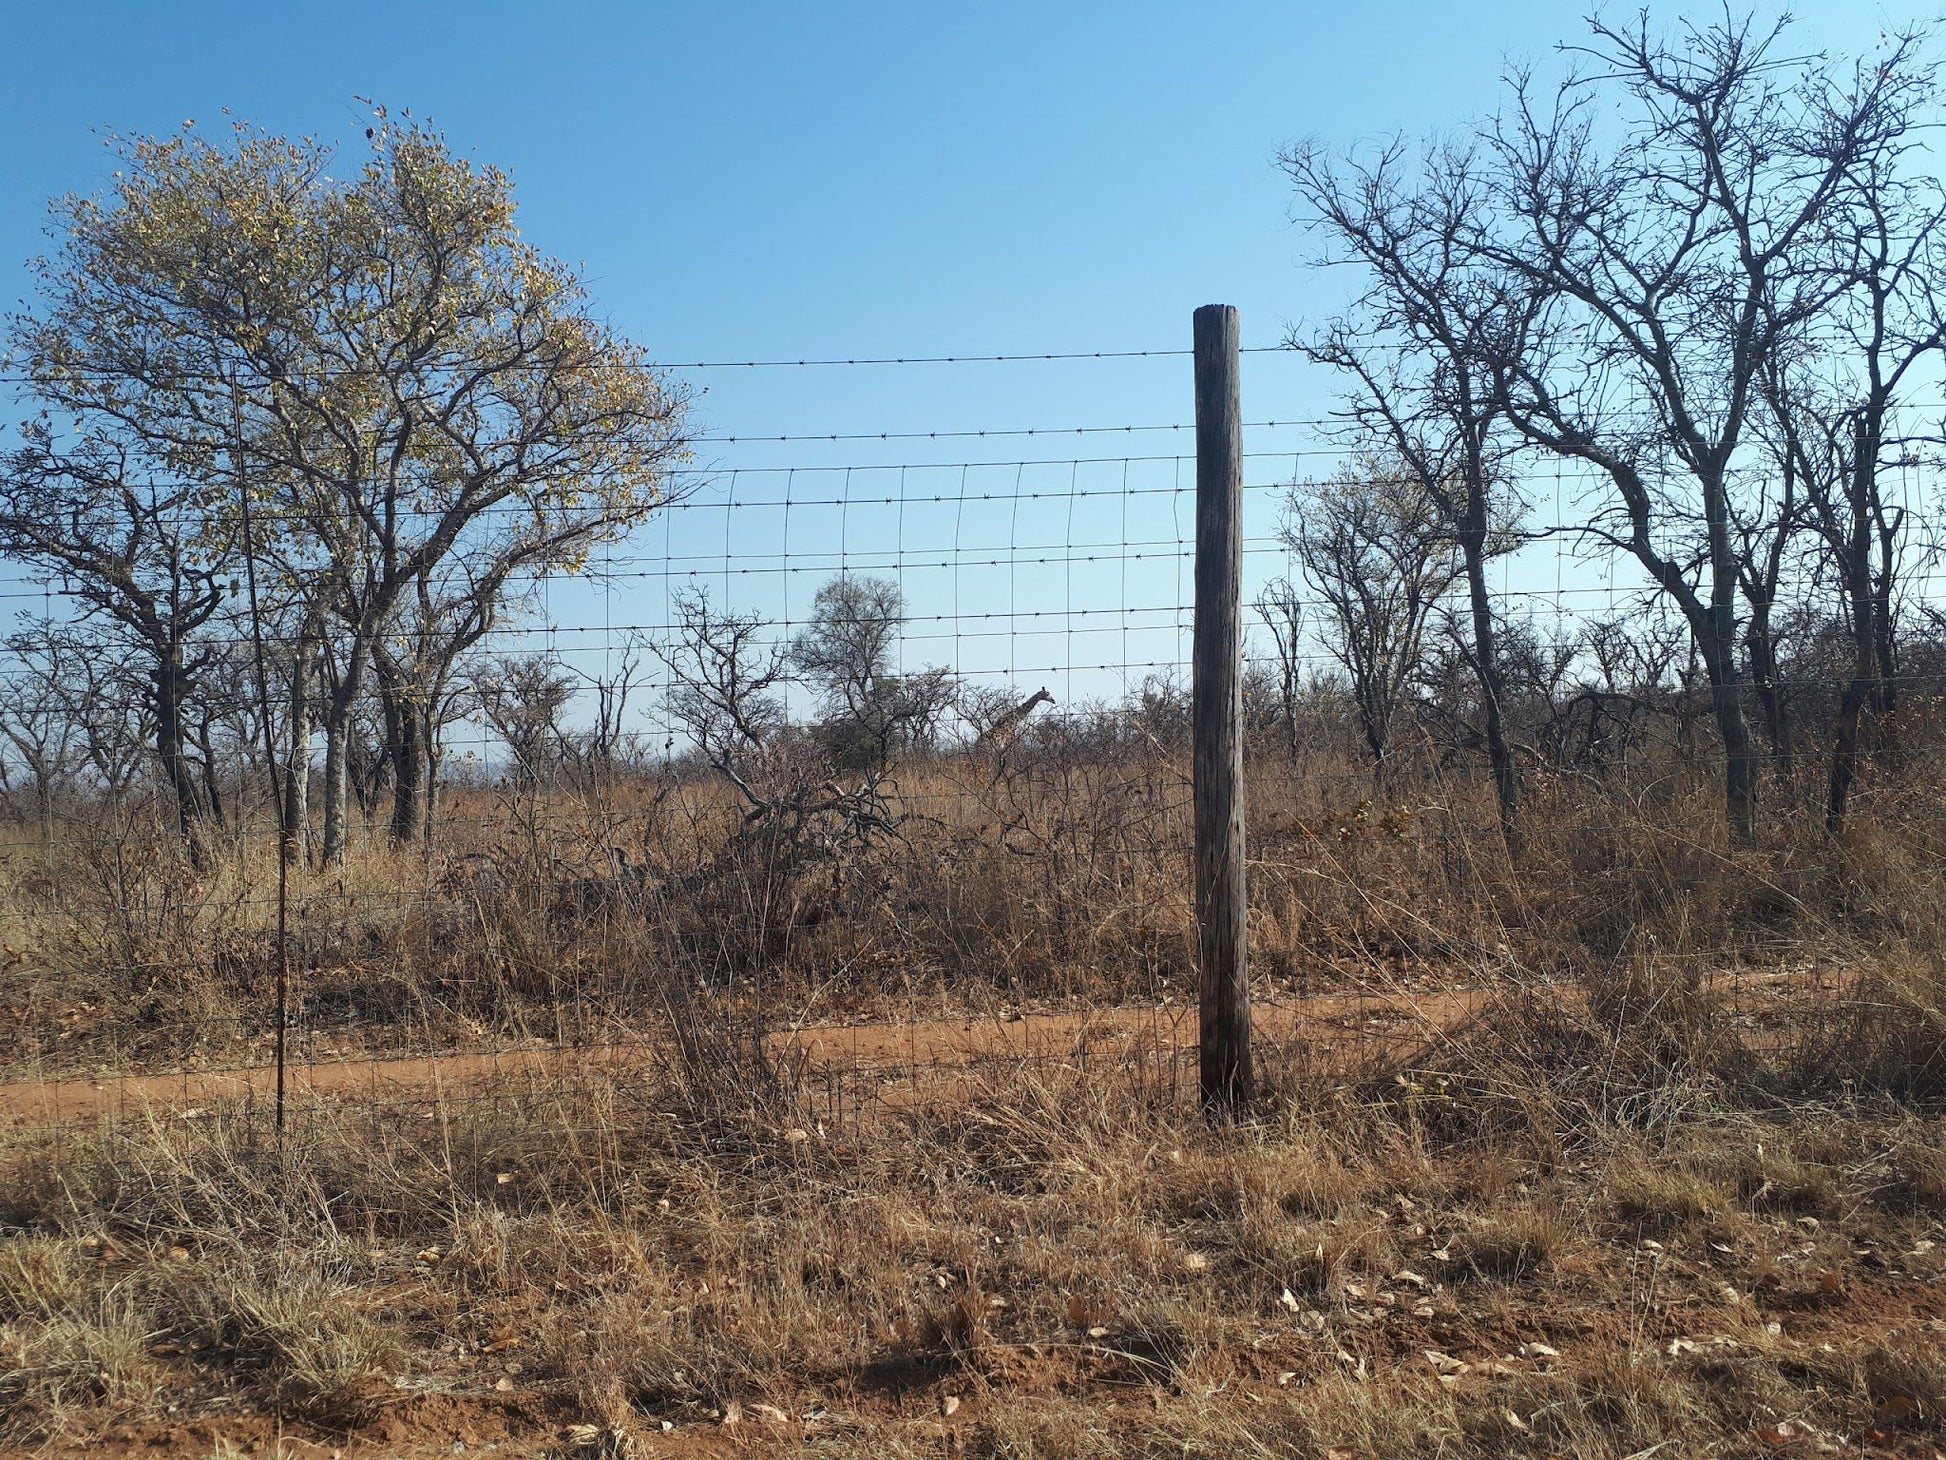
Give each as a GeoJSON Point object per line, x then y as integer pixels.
{"type": "Point", "coordinates": [760, 181]}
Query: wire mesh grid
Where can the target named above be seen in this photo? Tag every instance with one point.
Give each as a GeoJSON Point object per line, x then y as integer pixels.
{"type": "Point", "coordinates": [964, 851]}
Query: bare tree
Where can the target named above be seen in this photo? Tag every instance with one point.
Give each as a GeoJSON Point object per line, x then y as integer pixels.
{"type": "Point", "coordinates": [1281, 607]}
{"type": "Point", "coordinates": [98, 685]}
{"type": "Point", "coordinates": [1677, 268]}
{"type": "Point", "coordinates": [608, 744]}
{"type": "Point", "coordinates": [849, 652]}
{"type": "Point", "coordinates": [1834, 417]}
{"type": "Point", "coordinates": [143, 556]}
{"type": "Point", "coordinates": [38, 734]}
{"type": "Point", "coordinates": [1417, 348]}
{"type": "Point", "coordinates": [1380, 558]}
{"type": "Point", "coordinates": [522, 697]}
{"type": "Point", "coordinates": [727, 674]}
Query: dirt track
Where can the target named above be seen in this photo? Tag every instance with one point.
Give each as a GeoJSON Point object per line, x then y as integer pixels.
{"type": "Point", "coordinates": [946, 1043]}
{"type": "Point", "coordinates": [1335, 1021]}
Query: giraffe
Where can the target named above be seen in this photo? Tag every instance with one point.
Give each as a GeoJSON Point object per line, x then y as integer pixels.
{"type": "Point", "coordinates": [1006, 728]}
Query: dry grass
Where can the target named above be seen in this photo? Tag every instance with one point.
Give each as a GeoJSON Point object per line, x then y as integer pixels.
{"type": "Point", "coordinates": [1038, 1265]}
{"type": "Point", "coordinates": [1055, 880]}
{"type": "Point", "coordinates": [1629, 1208]}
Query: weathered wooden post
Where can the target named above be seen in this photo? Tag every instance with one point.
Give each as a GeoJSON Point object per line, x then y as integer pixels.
{"type": "Point", "coordinates": [1221, 925]}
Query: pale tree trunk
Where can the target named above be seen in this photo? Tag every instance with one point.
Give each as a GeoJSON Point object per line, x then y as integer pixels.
{"type": "Point", "coordinates": [297, 771]}
{"type": "Point", "coordinates": [337, 749]}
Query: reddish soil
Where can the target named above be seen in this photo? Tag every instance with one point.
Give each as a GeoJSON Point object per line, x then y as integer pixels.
{"type": "Point", "coordinates": [1328, 1024]}
{"type": "Point", "coordinates": [933, 1044]}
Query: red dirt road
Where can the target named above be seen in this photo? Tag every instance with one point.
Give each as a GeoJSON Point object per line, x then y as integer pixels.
{"type": "Point", "coordinates": [861, 1048]}
{"type": "Point", "coordinates": [1762, 1003]}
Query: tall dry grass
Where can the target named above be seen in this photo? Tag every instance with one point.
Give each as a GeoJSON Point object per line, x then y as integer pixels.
{"type": "Point", "coordinates": [1058, 874]}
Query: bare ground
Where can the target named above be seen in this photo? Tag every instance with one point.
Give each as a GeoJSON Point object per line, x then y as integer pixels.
{"type": "Point", "coordinates": [1330, 1024]}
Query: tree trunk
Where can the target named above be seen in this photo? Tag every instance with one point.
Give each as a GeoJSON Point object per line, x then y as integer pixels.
{"type": "Point", "coordinates": [296, 825]}
{"type": "Point", "coordinates": [408, 757]}
{"type": "Point", "coordinates": [435, 758]}
{"type": "Point", "coordinates": [1869, 685]}
{"type": "Point", "coordinates": [44, 802]}
{"type": "Point", "coordinates": [1885, 692]}
{"type": "Point", "coordinates": [1486, 653]}
{"type": "Point", "coordinates": [337, 783]}
{"type": "Point", "coordinates": [1877, 524]}
{"type": "Point", "coordinates": [212, 780]}
{"type": "Point", "coordinates": [1762, 651]}
{"type": "Point", "coordinates": [1740, 755]}
{"type": "Point", "coordinates": [170, 689]}
{"type": "Point", "coordinates": [337, 750]}
{"type": "Point", "coordinates": [405, 749]}
{"type": "Point", "coordinates": [1718, 632]}
{"type": "Point", "coordinates": [1844, 749]}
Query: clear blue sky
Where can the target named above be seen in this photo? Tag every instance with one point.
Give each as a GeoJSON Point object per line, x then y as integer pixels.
{"type": "Point", "coordinates": [747, 180]}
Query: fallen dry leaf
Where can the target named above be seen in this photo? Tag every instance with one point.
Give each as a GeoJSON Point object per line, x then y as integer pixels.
{"type": "Point", "coordinates": [501, 1340]}
{"type": "Point", "coordinates": [1898, 1408]}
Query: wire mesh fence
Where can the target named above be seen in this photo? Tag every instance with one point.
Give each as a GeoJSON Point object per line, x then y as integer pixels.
{"type": "Point", "coordinates": [871, 755]}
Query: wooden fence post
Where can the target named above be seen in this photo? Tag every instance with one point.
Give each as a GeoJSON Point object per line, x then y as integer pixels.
{"type": "Point", "coordinates": [1221, 923]}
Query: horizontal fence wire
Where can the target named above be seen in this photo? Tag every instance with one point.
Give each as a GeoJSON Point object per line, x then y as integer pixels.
{"type": "Point", "coordinates": [968, 862]}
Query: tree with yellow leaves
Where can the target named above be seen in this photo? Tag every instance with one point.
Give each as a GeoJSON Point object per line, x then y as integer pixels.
{"type": "Point", "coordinates": [372, 378]}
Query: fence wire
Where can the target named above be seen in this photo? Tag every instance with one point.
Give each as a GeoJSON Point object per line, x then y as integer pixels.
{"type": "Point", "coordinates": [933, 827]}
